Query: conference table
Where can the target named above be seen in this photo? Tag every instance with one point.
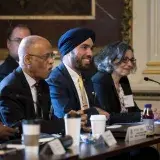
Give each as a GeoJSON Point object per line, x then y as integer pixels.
{"type": "Point", "coordinates": [90, 151]}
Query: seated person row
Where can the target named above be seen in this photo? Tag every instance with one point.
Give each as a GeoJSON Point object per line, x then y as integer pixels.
{"type": "Point", "coordinates": [75, 47]}
{"type": "Point", "coordinates": [69, 88]}
{"type": "Point", "coordinates": [18, 93]}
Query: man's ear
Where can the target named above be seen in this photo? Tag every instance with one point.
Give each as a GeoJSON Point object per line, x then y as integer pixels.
{"type": "Point", "coordinates": [27, 59]}
{"type": "Point", "coordinates": [8, 43]}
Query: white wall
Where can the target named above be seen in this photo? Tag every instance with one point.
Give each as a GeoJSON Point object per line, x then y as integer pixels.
{"type": "Point", "coordinates": [144, 42]}
{"type": "Point", "coordinates": [146, 39]}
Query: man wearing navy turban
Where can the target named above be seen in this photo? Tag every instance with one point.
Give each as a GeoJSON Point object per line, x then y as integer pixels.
{"type": "Point", "coordinates": [75, 47]}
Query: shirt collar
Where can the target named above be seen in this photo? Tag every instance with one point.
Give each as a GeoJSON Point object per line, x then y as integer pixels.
{"type": "Point", "coordinates": [73, 74]}
{"type": "Point", "coordinates": [29, 79]}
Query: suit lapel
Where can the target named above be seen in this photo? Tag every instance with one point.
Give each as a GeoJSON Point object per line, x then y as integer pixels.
{"type": "Point", "coordinates": [25, 91]}
{"type": "Point", "coordinates": [45, 99]}
{"type": "Point", "coordinates": [112, 87]}
{"type": "Point", "coordinates": [69, 80]}
{"type": "Point", "coordinates": [125, 86]}
{"type": "Point", "coordinates": [89, 90]}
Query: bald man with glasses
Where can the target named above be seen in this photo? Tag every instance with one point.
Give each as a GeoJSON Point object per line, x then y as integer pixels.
{"type": "Point", "coordinates": [24, 94]}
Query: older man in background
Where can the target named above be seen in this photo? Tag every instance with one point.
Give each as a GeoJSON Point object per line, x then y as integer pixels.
{"type": "Point", "coordinates": [14, 36]}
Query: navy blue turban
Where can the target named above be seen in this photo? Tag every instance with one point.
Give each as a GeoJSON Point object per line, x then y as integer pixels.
{"type": "Point", "coordinates": [74, 37]}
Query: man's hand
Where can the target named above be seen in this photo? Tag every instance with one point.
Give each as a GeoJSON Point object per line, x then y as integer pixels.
{"type": "Point", "coordinates": [5, 132]}
{"type": "Point", "coordinates": [83, 117]}
{"type": "Point", "coordinates": [72, 113]}
{"type": "Point", "coordinates": [102, 112]}
{"type": "Point", "coordinates": [81, 113]}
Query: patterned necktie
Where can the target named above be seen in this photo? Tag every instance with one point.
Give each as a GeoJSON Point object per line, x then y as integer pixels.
{"type": "Point", "coordinates": [83, 93]}
{"type": "Point", "coordinates": [38, 107]}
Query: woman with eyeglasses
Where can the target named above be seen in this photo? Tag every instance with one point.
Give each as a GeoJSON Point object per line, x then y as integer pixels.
{"type": "Point", "coordinates": [114, 63]}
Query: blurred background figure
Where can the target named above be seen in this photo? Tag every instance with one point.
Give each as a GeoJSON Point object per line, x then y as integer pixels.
{"type": "Point", "coordinates": [14, 36]}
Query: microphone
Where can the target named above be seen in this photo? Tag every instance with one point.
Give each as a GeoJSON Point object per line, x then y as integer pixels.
{"type": "Point", "coordinates": [148, 79]}
{"type": "Point", "coordinates": [66, 142]}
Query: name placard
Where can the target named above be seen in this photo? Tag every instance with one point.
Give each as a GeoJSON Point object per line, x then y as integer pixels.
{"type": "Point", "coordinates": [109, 138]}
{"type": "Point", "coordinates": [136, 133]}
{"type": "Point", "coordinates": [57, 147]}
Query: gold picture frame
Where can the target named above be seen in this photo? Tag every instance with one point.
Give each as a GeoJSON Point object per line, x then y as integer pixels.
{"type": "Point", "coordinates": [126, 23]}
{"type": "Point", "coordinates": [90, 16]}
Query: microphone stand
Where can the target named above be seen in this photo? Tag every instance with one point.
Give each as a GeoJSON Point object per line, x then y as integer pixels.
{"type": "Point", "coordinates": [148, 79]}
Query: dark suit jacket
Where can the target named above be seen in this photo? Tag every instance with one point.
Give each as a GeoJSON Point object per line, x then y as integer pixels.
{"type": "Point", "coordinates": [7, 67]}
{"type": "Point", "coordinates": [16, 101]}
{"type": "Point", "coordinates": [107, 94]}
{"type": "Point", "coordinates": [64, 96]}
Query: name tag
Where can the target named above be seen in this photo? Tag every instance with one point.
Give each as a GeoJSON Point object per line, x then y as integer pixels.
{"type": "Point", "coordinates": [136, 133]}
{"type": "Point", "coordinates": [56, 147]}
{"type": "Point", "coordinates": [128, 101]}
{"type": "Point", "coordinates": [109, 138]}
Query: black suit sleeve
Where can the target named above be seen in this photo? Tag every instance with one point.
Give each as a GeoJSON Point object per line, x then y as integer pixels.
{"type": "Point", "coordinates": [11, 109]}
{"type": "Point", "coordinates": [101, 96]}
{"type": "Point", "coordinates": [60, 98]}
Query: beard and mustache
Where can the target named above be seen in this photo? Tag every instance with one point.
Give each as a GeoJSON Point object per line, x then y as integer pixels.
{"type": "Point", "coordinates": [79, 62]}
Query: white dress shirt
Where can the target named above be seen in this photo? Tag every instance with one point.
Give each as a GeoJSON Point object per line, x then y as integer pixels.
{"type": "Point", "coordinates": [75, 78]}
{"type": "Point", "coordinates": [32, 83]}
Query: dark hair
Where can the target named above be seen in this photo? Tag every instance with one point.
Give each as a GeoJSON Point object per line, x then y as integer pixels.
{"type": "Point", "coordinates": [11, 28]}
{"type": "Point", "coordinates": [113, 51]}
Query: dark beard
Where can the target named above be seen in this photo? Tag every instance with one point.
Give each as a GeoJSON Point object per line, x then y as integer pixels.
{"type": "Point", "coordinates": [77, 63]}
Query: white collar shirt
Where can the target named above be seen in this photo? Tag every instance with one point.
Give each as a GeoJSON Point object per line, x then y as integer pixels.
{"type": "Point", "coordinates": [75, 78]}
{"type": "Point", "coordinates": [32, 83]}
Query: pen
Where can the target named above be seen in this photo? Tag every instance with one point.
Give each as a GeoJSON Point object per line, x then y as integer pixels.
{"type": "Point", "coordinates": [94, 97]}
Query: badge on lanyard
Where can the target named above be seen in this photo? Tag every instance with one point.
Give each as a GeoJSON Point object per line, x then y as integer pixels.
{"type": "Point", "coordinates": [128, 101]}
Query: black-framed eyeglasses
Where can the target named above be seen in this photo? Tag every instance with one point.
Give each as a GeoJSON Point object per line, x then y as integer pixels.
{"type": "Point", "coordinates": [126, 60]}
{"type": "Point", "coordinates": [18, 40]}
{"type": "Point", "coordinates": [46, 56]}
